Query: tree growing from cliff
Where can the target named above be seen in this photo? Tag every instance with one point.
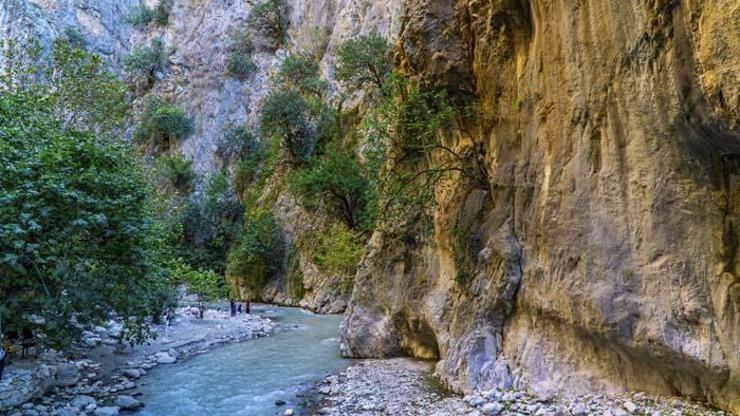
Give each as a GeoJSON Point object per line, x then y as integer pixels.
{"type": "Point", "coordinates": [285, 116]}
{"type": "Point", "coordinates": [239, 62]}
{"type": "Point", "coordinates": [161, 123]}
{"type": "Point", "coordinates": [269, 21]}
{"type": "Point", "coordinates": [142, 15]}
{"type": "Point", "coordinates": [301, 73]}
{"type": "Point", "coordinates": [364, 61]}
{"type": "Point", "coordinates": [336, 183]}
{"type": "Point", "coordinates": [175, 173]}
{"type": "Point", "coordinates": [406, 147]}
{"type": "Point", "coordinates": [144, 62]}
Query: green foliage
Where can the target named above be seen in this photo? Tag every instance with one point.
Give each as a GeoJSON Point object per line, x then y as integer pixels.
{"type": "Point", "coordinates": [162, 12]}
{"type": "Point", "coordinates": [77, 234]}
{"type": "Point", "coordinates": [239, 144]}
{"type": "Point", "coordinates": [285, 116]}
{"type": "Point", "coordinates": [301, 73]}
{"type": "Point", "coordinates": [405, 148]}
{"type": "Point", "coordinates": [339, 250]}
{"type": "Point", "coordinates": [364, 60]}
{"type": "Point", "coordinates": [77, 89]}
{"type": "Point", "coordinates": [176, 172]}
{"type": "Point", "coordinates": [258, 254]}
{"type": "Point", "coordinates": [161, 123]}
{"type": "Point", "coordinates": [206, 284]}
{"type": "Point", "coordinates": [210, 226]}
{"type": "Point", "coordinates": [142, 15]}
{"type": "Point", "coordinates": [239, 63]}
{"type": "Point", "coordinates": [295, 276]}
{"type": "Point", "coordinates": [269, 20]}
{"type": "Point", "coordinates": [338, 184]}
{"type": "Point", "coordinates": [145, 61]}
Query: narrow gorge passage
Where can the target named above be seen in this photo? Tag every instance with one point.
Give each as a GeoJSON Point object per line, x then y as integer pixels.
{"type": "Point", "coordinates": [248, 378]}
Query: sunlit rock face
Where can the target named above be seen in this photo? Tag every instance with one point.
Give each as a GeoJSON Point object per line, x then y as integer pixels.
{"type": "Point", "coordinates": [605, 245]}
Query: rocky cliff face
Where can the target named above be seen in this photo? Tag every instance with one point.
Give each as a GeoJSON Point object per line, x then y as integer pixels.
{"type": "Point", "coordinates": [605, 247]}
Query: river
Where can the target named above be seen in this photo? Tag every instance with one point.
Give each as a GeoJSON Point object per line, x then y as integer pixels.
{"type": "Point", "coordinates": [247, 378]}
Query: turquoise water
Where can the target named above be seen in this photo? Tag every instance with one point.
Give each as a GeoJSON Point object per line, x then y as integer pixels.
{"type": "Point", "coordinates": [247, 378]}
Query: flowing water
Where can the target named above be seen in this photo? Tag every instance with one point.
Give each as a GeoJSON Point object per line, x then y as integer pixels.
{"type": "Point", "coordinates": [247, 378]}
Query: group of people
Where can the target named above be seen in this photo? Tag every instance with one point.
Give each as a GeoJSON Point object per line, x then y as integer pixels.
{"type": "Point", "coordinates": [238, 308]}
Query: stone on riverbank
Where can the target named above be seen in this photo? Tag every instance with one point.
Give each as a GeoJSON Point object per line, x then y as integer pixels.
{"type": "Point", "coordinates": [107, 411]}
{"type": "Point", "coordinates": [128, 403]}
{"type": "Point", "coordinates": [165, 358]}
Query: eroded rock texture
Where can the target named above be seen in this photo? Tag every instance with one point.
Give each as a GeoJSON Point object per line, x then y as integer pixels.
{"type": "Point", "coordinates": [604, 250]}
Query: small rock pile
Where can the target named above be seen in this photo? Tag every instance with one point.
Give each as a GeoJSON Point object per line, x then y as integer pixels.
{"type": "Point", "coordinates": [403, 387]}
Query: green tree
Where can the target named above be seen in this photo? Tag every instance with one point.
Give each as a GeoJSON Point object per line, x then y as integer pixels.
{"type": "Point", "coordinates": [77, 234]}
{"type": "Point", "coordinates": [207, 285]}
{"type": "Point", "coordinates": [145, 61]}
{"type": "Point", "coordinates": [269, 20]}
{"type": "Point", "coordinates": [161, 123]}
{"type": "Point", "coordinates": [258, 254]}
{"type": "Point", "coordinates": [337, 183]}
{"type": "Point", "coordinates": [301, 73]}
{"type": "Point", "coordinates": [142, 15]}
{"type": "Point", "coordinates": [339, 250]}
{"type": "Point", "coordinates": [364, 60]}
{"type": "Point", "coordinates": [239, 62]}
{"type": "Point", "coordinates": [73, 84]}
{"type": "Point", "coordinates": [285, 116]}
{"type": "Point", "coordinates": [210, 226]}
{"type": "Point", "coordinates": [175, 172]}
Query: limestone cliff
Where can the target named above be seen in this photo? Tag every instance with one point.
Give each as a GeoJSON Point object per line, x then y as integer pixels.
{"type": "Point", "coordinates": [605, 245]}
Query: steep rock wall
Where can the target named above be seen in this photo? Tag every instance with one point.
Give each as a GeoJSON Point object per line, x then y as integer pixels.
{"type": "Point", "coordinates": [605, 246]}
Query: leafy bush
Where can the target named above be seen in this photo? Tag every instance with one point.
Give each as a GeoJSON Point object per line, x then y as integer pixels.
{"type": "Point", "coordinates": [161, 123]}
{"type": "Point", "coordinates": [258, 254]}
{"type": "Point", "coordinates": [210, 226]}
{"type": "Point", "coordinates": [142, 15]}
{"type": "Point", "coordinates": [364, 60]}
{"type": "Point", "coordinates": [239, 144]}
{"type": "Point", "coordinates": [337, 183]}
{"type": "Point", "coordinates": [176, 172]}
{"type": "Point", "coordinates": [145, 61]}
{"type": "Point", "coordinates": [285, 116]}
{"type": "Point", "coordinates": [339, 250]}
{"type": "Point", "coordinates": [269, 20]}
{"type": "Point", "coordinates": [82, 92]}
{"type": "Point", "coordinates": [162, 12]}
{"type": "Point", "coordinates": [239, 63]}
{"type": "Point", "coordinates": [77, 235]}
{"type": "Point", "coordinates": [301, 73]}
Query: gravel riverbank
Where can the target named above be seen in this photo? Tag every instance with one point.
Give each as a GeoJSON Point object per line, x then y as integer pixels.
{"type": "Point", "coordinates": [98, 378]}
{"type": "Point", "coordinates": [404, 387]}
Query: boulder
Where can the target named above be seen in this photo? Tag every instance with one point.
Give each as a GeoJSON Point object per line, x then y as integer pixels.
{"type": "Point", "coordinates": [107, 411]}
{"type": "Point", "coordinates": [128, 403]}
{"type": "Point", "coordinates": [67, 374]}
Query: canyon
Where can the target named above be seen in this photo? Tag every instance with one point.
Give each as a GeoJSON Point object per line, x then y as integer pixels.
{"type": "Point", "coordinates": [599, 253]}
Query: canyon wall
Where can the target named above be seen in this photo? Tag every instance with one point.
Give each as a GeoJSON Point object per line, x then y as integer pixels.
{"type": "Point", "coordinates": [602, 252]}
{"type": "Point", "coordinates": [605, 245]}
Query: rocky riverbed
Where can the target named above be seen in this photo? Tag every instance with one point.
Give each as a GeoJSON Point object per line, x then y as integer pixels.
{"type": "Point", "coordinates": [98, 377]}
{"type": "Point", "coordinates": [405, 387]}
